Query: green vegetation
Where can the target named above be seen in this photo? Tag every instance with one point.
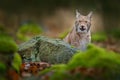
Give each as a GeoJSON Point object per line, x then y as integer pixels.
{"type": "Point", "coordinates": [2, 68]}
{"type": "Point", "coordinates": [96, 58]}
{"type": "Point", "coordinates": [28, 30]}
{"type": "Point", "coordinates": [16, 63]}
{"type": "Point", "coordinates": [7, 44]}
{"type": "Point", "coordinates": [8, 49]}
{"type": "Point", "coordinates": [103, 36]}
{"type": "Point", "coordinates": [99, 36]}
{"type": "Point", "coordinates": [64, 34]}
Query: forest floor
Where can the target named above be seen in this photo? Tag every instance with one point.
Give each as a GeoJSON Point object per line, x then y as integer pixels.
{"type": "Point", "coordinates": [34, 68]}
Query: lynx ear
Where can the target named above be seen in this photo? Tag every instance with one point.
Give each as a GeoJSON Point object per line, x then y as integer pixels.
{"type": "Point", "coordinates": [77, 13]}
{"type": "Point", "coordinates": [90, 15]}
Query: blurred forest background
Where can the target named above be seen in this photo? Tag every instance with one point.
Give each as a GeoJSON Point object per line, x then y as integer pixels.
{"type": "Point", "coordinates": [20, 20]}
{"type": "Point", "coordinates": [57, 16]}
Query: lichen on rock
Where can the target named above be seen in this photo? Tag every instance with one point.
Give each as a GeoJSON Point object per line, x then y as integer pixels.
{"type": "Point", "coordinates": [45, 49]}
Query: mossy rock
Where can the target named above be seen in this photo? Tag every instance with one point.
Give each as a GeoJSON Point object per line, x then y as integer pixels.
{"type": "Point", "coordinates": [45, 49]}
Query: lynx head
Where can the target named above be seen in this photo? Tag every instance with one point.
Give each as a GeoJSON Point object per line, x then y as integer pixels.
{"type": "Point", "coordinates": [83, 23]}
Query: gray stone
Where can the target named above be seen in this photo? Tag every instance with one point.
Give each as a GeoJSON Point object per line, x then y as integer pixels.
{"type": "Point", "coordinates": [45, 49]}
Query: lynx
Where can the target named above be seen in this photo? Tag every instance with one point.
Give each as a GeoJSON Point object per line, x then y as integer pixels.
{"type": "Point", "coordinates": [80, 35]}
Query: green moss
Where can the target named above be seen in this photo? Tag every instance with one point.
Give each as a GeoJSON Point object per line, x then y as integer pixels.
{"type": "Point", "coordinates": [2, 68]}
{"type": "Point", "coordinates": [59, 70]}
{"type": "Point", "coordinates": [16, 63]}
{"type": "Point", "coordinates": [63, 35]}
{"type": "Point", "coordinates": [99, 36]}
{"type": "Point", "coordinates": [27, 30]}
{"type": "Point", "coordinates": [94, 57]}
{"type": "Point", "coordinates": [7, 44]}
{"type": "Point", "coordinates": [61, 67]}
{"type": "Point", "coordinates": [102, 36]}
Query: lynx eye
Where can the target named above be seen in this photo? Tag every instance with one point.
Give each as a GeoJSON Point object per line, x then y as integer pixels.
{"type": "Point", "coordinates": [80, 21]}
{"type": "Point", "coordinates": [85, 21]}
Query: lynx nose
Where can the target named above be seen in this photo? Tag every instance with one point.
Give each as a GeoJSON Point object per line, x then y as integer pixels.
{"type": "Point", "coordinates": [82, 28]}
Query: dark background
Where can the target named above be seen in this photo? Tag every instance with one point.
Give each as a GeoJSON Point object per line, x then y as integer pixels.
{"type": "Point", "coordinates": [58, 15]}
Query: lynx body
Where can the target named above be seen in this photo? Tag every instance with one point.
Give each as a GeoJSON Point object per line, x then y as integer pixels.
{"type": "Point", "coordinates": [80, 35]}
